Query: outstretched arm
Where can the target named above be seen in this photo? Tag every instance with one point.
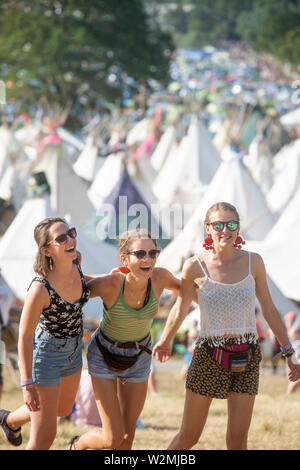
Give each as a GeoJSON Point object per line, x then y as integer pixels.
{"type": "Point", "coordinates": [271, 314]}
{"type": "Point", "coordinates": [162, 350]}
{"type": "Point", "coordinates": [104, 285]}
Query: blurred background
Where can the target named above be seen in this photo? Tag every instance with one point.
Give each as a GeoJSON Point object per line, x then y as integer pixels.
{"type": "Point", "coordinates": [171, 106]}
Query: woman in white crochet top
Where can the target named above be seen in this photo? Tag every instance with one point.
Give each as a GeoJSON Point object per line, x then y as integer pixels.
{"type": "Point", "coordinates": [224, 280]}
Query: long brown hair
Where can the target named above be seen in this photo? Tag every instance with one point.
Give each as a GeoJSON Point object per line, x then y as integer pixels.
{"type": "Point", "coordinates": [42, 263]}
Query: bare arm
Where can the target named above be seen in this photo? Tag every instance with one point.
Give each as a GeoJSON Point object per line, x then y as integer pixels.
{"type": "Point", "coordinates": [105, 285]}
{"type": "Point", "coordinates": [37, 299]}
{"type": "Point", "coordinates": [270, 312]}
{"type": "Point", "coordinates": [90, 277]}
{"type": "Point", "coordinates": [164, 279]}
{"type": "Point", "coordinates": [162, 350]}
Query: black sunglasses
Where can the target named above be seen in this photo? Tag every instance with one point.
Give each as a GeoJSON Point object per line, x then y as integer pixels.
{"type": "Point", "coordinates": [232, 225]}
{"type": "Point", "coordinates": [140, 254]}
{"type": "Point", "coordinates": [64, 236]}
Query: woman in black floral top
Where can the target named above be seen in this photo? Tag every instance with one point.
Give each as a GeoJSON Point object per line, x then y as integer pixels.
{"type": "Point", "coordinates": [50, 337]}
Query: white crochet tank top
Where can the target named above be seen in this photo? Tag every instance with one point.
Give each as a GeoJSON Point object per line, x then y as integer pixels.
{"type": "Point", "coordinates": [227, 309]}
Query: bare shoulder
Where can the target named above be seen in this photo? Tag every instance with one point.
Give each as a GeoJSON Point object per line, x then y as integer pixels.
{"type": "Point", "coordinates": [37, 289]}
{"type": "Point", "coordinates": [109, 280]}
{"type": "Point", "coordinates": [38, 294]}
{"type": "Point", "coordinates": [257, 266]}
{"type": "Point", "coordinates": [256, 260]}
{"type": "Point", "coordinates": [191, 268]}
{"type": "Point", "coordinates": [161, 274]}
{"type": "Point", "coordinates": [165, 279]}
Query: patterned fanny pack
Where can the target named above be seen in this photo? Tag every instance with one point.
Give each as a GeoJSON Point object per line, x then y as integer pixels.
{"type": "Point", "coordinates": [234, 357]}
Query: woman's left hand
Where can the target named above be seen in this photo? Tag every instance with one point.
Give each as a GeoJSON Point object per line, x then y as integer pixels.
{"type": "Point", "coordinates": [293, 369]}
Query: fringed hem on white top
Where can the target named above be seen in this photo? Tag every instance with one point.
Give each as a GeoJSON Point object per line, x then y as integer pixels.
{"type": "Point", "coordinates": [221, 340]}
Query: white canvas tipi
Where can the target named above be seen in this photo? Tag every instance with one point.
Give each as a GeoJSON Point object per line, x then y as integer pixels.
{"type": "Point", "coordinates": [88, 162]}
{"type": "Point", "coordinates": [291, 119]}
{"type": "Point", "coordinates": [281, 252]}
{"type": "Point", "coordinates": [105, 179]}
{"type": "Point", "coordinates": [18, 248]}
{"type": "Point", "coordinates": [18, 251]}
{"type": "Point", "coordinates": [14, 168]}
{"type": "Point", "coordinates": [286, 177]}
{"type": "Point", "coordinates": [260, 165]}
{"type": "Point", "coordinates": [188, 168]}
{"type": "Point", "coordinates": [68, 190]}
{"type": "Point", "coordinates": [163, 148]}
{"type": "Point", "coordinates": [232, 183]}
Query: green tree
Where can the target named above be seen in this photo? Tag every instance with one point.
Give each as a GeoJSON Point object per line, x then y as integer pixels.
{"type": "Point", "coordinates": [77, 50]}
{"type": "Point", "coordinates": [273, 27]}
{"type": "Point", "coordinates": [215, 21]}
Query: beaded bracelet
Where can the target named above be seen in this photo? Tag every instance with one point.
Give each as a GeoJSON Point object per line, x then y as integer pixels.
{"type": "Point", "coordinates": [26, 382]}
{"type": "Point", "coordinates": [28, 387]}
{"type": "Point", "coordinates": [288, 353]}
{"type": "Point", "coordinates": [286, 348]}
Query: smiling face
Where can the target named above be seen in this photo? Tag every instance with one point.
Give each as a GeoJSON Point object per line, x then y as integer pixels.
{"type": "Point", "coordinates": [140, 267]}
{"type": "Point", "coordinates": [54, 249]}
{"type": "Point", "coordinates": [224, 237]}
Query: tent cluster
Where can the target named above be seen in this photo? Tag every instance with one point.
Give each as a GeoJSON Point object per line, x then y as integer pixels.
{"type": "Point", "coordinates": [207, 138]}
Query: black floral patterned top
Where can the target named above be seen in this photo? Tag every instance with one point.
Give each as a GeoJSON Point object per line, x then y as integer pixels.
{"type": "Point", "coordinates": [63, 319]}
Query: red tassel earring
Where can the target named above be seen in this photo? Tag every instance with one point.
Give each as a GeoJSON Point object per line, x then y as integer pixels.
{"type": "Point", "coordinates": [239, 242]}
{"type": "Point", "coordinates": [208, 243]}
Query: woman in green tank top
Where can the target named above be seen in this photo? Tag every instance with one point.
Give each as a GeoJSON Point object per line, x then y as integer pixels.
{"type": "Point", "coordinates": [119, 354]}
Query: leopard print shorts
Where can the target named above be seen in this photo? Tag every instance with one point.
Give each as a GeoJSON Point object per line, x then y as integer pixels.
{"type": "Point", "coordinates": [207, 377]}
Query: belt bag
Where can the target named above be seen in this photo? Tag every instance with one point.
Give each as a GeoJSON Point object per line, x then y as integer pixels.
{"type": "Point", "coordinates": [117, 362]}
{"type": "Point", "coordinates": [234, 357]}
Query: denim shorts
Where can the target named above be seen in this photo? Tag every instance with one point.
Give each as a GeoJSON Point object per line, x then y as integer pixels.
{"type": "Point", "coordinates": [54, 358]}
{"type": "Point", "coordinates": [98, 368]}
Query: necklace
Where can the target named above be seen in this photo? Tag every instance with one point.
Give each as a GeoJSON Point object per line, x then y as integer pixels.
{"type": "Point", "coordinates": [139, 302]}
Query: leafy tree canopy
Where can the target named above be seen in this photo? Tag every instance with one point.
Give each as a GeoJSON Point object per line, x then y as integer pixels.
{"type": "Point", "coordinates": [269, 26]}
{"type": "Point", "coordinates": [78, 50]}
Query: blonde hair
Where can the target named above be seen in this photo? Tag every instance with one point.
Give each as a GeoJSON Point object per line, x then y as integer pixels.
{"type": "Point", "coordinates": [221, 206]}
{"type": "Point", "coordinates": [41, 236]}
{"type": "Point", "coordinates": [127, 238]}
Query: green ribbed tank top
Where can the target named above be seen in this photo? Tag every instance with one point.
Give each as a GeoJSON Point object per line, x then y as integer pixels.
{"type": "Point", "coordinates": [122, 323]}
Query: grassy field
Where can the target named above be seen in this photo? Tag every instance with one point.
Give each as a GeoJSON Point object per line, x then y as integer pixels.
{"type": "Point", "coordinates": [275, 424]}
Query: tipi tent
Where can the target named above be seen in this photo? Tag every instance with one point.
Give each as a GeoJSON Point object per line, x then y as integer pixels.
{"type": "Point", "coordinates": [291, 119]}
{"type": "Point", "coordinates": [280, 250]}
{"type": "Point", "coordinates": [105, 179]}
{"type": "Point", "coordinates": [14, 168]}
{"type": "Point", "coordinates": [138, 132]}
{"type": "Point", "coordinates": [203, 157]}
{"type": "Point", "coordinates": [163, 148]}
{"type": "Point", "coordinates": [68, 190]}
{"type": "Point", "coordinates": [18, 250]}
{"type": "Point", "coordinates": [260, 165]}
{"type": "Point", "coordinates": [188, 168]}
{"type": "Point", "coordinates": [108, 177]}
{"type": "Point", "coordinates": [140, 168]}
{"type": "Point", "coordinates": [88, 163]}
{"type": "Point", "coordinates": [286, 177]}
{"type": "Point", "coordinates": [232, 183]}
{"type": "Point", "coordinates": [125, 208]}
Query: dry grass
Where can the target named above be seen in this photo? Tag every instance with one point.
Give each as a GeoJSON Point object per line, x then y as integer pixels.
{"type": "Point", "coordinates": [275, 423]}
